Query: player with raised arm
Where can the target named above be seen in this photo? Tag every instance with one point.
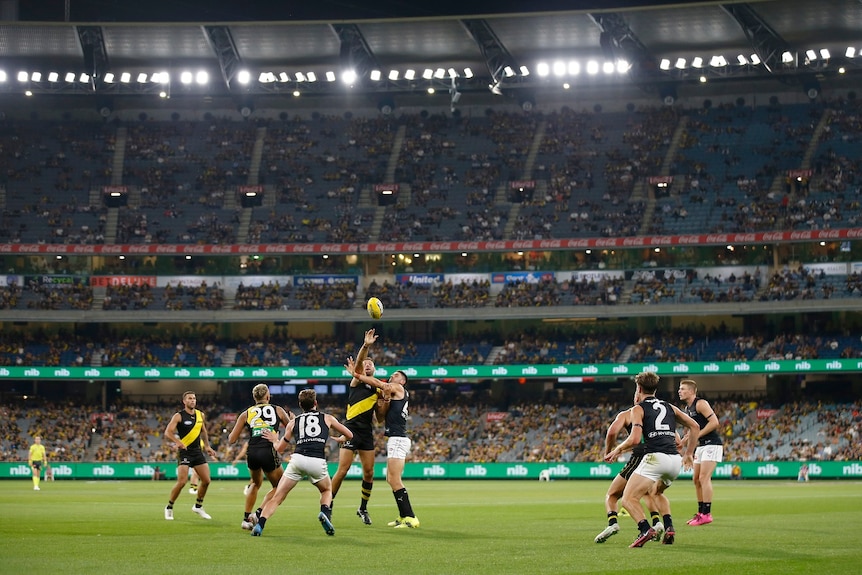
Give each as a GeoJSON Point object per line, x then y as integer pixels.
{"type": "Point", "coordinates": [361, 404]}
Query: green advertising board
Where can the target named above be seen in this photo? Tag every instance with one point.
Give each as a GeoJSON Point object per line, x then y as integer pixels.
{"type": "Point", "coordinates": [437, 372]}
{"type": "Point", "coordinates": [514, 470]}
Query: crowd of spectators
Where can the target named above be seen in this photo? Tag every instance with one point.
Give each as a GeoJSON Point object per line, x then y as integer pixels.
{"type": "Point", "coordinates": [280, 349]}
{"type": "Point", "coordinates": [462, 429]}
{"type": "Point", "coordinates": [171, 297]}
{"type": "Point", "coordinates": [589, 173]}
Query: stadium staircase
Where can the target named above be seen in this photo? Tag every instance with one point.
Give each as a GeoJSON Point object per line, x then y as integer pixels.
{"type": "Point", "coordinates": [253, 179]}
{"type": "Point", "coordinates": [502, 197]}
{"type": "Point", "coordinates": [119, 158]}
{"type": "Point", "coordinates": [493, 355]}
{"type": "Point", "coordinates": [229, 357]}
{"type": "Point", "coordinates": [626, 354]}
{"type": "Point", "coordinates": [397, 143]}
{"type": "Point", "coordinates": [99, 293]}
{"type": "Point", "coordinates": [368, 197]}
{"type": "Point", "coordinates": [641, 185]}
{"type": "Point", "coordinates": [256, 157]}
{"type": "Point", "coordinates": [117, 163]}
{"type": "Point", "coordinates": [815, 138]}
{"type": "Point", "coordinates": [111, 224]}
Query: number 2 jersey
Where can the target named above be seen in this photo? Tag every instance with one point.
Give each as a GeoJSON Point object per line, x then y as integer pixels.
{"type": "Point", "coordinates": [659, 426]}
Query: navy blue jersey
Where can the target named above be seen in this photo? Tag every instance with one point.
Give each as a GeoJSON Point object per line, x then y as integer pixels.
{"type": "Point", "coordinates": [659, 426]}
{"type": "Point", "coordinates": [396, 417]}
{"type": "Point", "coordinates": [711, 438]}
{"type": "Point", "coordinates": [311, 433]}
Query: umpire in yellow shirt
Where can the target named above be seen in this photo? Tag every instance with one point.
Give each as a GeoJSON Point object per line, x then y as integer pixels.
{"type": "Point", "coordinates": [37, 460]}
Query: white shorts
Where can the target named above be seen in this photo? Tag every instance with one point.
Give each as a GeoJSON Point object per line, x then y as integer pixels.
{"type": "Point", "coordinates": [660, 466]}
{"type": "Point", "coordinates": [398, 447]}
{"type": "Point", "coordinates": [300, 465]}
{"type": "Point", "coordinates": [709, 453]}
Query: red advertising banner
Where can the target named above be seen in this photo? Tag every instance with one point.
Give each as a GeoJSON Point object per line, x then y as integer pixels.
{"type": "Point", "coordinates": [113, 189]}
{"type": "Point", "coordinates": [654, 180]}
{"type": "Point", "coordinates": [523, 184]}
{"type": "Point", "coordinates": [496, 416]}
{"type": "Point", "coordinates": [105, 281]}
{"type": "Point", "coordinates": [766, 413]}
{"type": "Point", "coordinates": [799, 173]}
{"type": "Point", "coordinates": [433, 247]}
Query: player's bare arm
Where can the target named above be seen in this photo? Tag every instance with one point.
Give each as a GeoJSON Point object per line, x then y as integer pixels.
{"type": "Point", "coordinates": [333, 423]}
{"type": "Point", "coordinates": [237, 427]}
{"type": "Point", "coordinates": [705, 409]}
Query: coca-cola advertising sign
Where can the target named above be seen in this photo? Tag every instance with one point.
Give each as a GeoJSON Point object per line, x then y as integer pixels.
{"type": "Point", "coordinates": [432, 247]}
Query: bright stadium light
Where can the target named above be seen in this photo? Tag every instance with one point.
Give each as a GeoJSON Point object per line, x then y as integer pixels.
{"type": "Point", "coordinates": [348, 77]}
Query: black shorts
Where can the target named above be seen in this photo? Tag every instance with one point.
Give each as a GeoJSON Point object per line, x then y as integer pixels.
{"type": "Point", "coordinates": [37, 464]}
{"type": "Point", "coordinates": [191, 458]}
{"type": "Point", "coordinates": [265, 458]}
{"type": "Point", "coordinates": [363, 440]}
{"type": "Point", "coordinates": [630, 467]}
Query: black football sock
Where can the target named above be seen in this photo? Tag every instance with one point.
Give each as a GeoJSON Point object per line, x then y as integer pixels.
{"type": "Point", "coordinates": [366, 494]}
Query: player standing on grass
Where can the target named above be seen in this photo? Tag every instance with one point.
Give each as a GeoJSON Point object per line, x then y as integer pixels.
{"type": "Point", "coordinates": [311, 430]}
{"type": "Point", "coordinates": [361, 403]}
{"type": "Point", "coordinates": [188, 433]}
{"type": "Point", "coordinates": [615, 491]}
{"type": "Point", "coordinates": [37, 459]}
{"type": "Point", "coordinates": [709, 452]}
{"type": "Point", "coordinates": [392, 407]}
{"type": "Point", "coordinates": [261, 458]}
{"type": "Point", "coordinates": [655, 421]}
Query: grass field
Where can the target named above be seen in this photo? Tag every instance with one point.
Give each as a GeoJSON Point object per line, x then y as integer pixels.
{"type": "Point", "coordinates": [471, 527]}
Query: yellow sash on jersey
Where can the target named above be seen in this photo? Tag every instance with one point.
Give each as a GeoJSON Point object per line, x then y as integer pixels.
{"type": "Point", "coordinates": [361, 407]}
{"type": "Point", "coordinates": [191, 436]}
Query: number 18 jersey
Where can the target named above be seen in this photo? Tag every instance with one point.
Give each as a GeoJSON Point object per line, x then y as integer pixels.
{"type": "Point", "coordinates": [311, 434]}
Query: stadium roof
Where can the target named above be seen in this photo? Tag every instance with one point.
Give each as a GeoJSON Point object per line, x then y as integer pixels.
{"type": "Point", "coordinates": [779, 39]}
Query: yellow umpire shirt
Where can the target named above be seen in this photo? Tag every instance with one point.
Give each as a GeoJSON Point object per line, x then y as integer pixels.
{"type": "Point", "coordinates": [37, 452]}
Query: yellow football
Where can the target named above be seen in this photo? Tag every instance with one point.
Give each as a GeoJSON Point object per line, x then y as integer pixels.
{"type": "Point", "coordinates": [374, 307]}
